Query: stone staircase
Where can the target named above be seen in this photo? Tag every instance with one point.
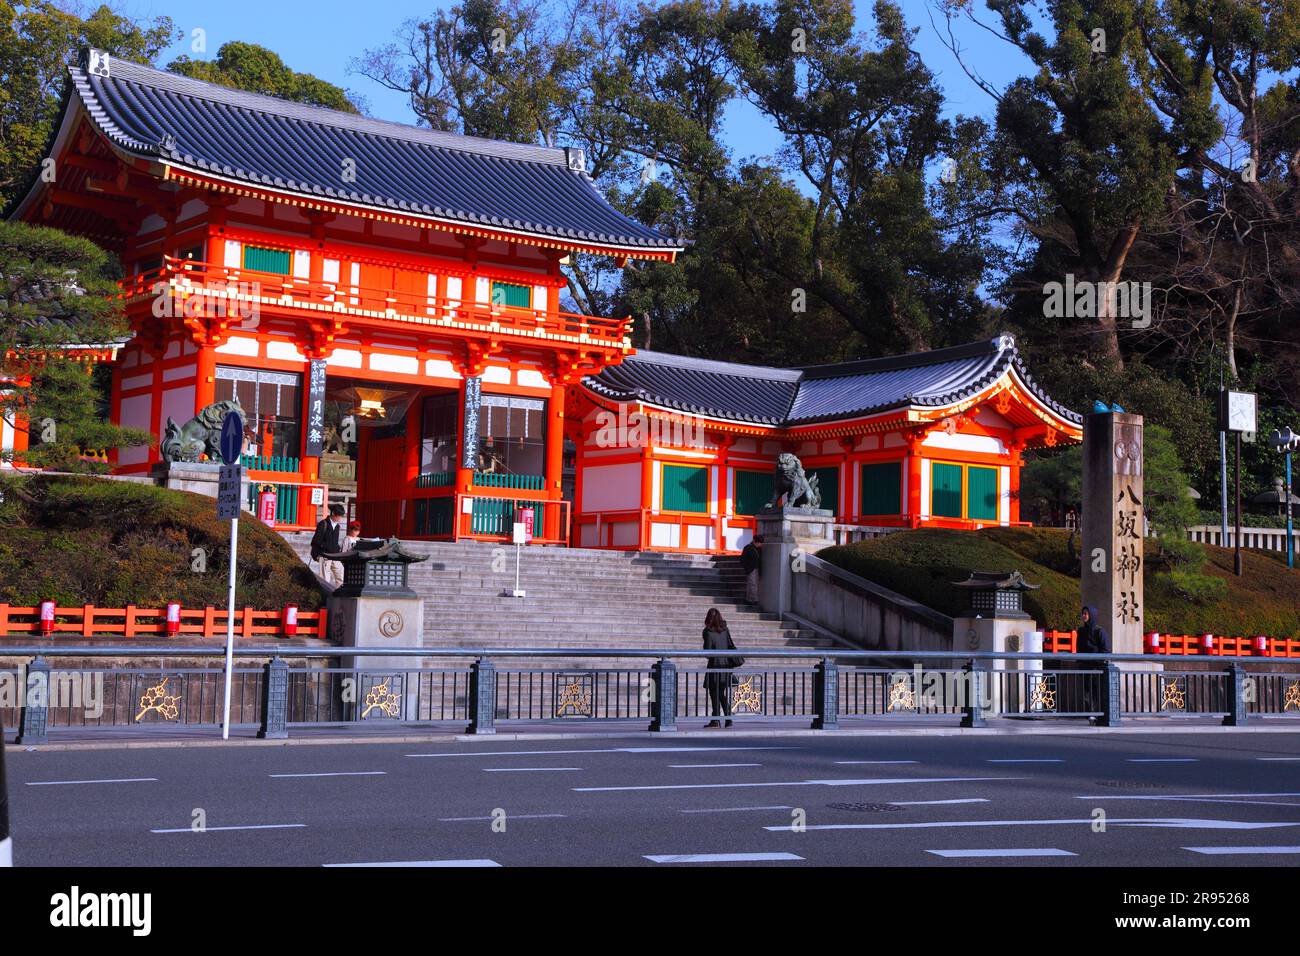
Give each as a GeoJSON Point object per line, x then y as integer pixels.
{"type": "Point", "coordinates": [582, 598]}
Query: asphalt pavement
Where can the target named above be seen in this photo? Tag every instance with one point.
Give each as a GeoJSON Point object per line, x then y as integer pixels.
{"type": "Point", "coordinates": [1168, 799]}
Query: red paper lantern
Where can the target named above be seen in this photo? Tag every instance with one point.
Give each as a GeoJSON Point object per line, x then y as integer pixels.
{"type": "Point", "coordinates": [1153, 642]}
{"type": "Point", "coordinates": [47, 617]}
{"type": "Point", "coordinates": [289, 620]}
{"type": "Point", "coordinates": [173, 619]}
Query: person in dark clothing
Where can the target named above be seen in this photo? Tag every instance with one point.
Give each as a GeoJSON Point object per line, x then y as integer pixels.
{"type": "Point", "coordinates": [1091, 639]}
{"type": "Point", "coordinates": [751, 560]}
{"type": "Point", "coordinates": [328, 539]}
{"type": "Point", "coordinates": [719, 678]}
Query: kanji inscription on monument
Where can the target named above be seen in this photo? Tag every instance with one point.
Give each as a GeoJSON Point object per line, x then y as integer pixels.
{"type": "Point", "coordinates": [1114, 526]}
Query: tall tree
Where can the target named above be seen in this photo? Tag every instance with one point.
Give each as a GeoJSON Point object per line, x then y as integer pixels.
{"type": "Point", "coordinates": [247, 66]}
{"type": "Point", "coordinates": [38, 42]}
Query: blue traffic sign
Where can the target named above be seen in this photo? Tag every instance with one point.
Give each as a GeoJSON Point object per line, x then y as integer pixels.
{"type": "Point", "coordinates": [232, 437]}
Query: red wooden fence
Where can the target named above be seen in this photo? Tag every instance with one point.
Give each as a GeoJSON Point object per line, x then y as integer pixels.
{"type": "Point", "coordinates": [131, 621]}
{"type": "Point", "coordinates": [1190, 645]}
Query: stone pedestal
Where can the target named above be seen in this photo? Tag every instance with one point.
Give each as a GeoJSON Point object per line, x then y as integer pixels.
{"type": "Point", "coordinates": [788, 533]}
{"type": "Point", "coordinates": [200, 477]}
{"type": "Point", "coordinates": [382, 684]}
{"type": "Point", "coordinates": [1004, 634]}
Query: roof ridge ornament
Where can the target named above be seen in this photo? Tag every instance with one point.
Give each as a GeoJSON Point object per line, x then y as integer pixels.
{"type": "Point", "coordinates": [98, 62]}
{"type": "Point", "coordinates": [576, 158]}
{"type": "Point", "coordinates": [1005, 342]}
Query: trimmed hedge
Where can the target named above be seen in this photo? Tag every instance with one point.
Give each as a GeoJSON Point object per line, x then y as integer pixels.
{"type": "Point", "coordinates": [86, 540]}
{"type": "Point", "coordinates": [924, 563]}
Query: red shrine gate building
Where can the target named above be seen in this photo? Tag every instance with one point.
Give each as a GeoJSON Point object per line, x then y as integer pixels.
{"type": "Point", "coordinates": [298, 259]}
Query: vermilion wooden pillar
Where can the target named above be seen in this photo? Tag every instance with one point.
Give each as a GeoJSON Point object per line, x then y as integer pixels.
{"type": "Point", "coordinates": [555, 460]}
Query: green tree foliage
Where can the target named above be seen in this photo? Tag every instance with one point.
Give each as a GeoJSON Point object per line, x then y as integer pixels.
{"type": "Point", "coordinates": [247, 66]}
{"type": "Point", "coordinates": [57, 291]}
{"type": "Point", "coordinates": [38, 42]}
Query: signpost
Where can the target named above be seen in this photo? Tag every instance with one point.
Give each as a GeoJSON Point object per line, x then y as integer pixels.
{"type": "Point", "coordinates": [1237, 414]}
{"type": "Point", "coordinates": [520, 535]}
{"type": "Point", "coordinates": [228, 488]}
{"type": "Point", "coordinates": [1286, 441]}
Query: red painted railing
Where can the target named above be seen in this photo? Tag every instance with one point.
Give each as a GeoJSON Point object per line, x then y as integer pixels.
{"type": "Point", "coordinates": [185, 279]}
{"type": "Point", "coordinates": [1190, 645]}
{"type": "Point", "coordinates": [131, 621]}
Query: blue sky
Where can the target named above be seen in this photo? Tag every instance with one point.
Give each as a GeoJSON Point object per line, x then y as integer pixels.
{"type": "Point", "coordinates": [322, 37]}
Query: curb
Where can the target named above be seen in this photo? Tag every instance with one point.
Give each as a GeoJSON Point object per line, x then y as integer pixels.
{"type": "Point", "coordinates": [452, 738]}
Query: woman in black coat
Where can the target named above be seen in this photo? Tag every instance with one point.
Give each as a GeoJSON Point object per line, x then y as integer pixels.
{"type": "Point", "coordinates": [719, 678]}
{"type": "Point", "coordinates": [1091, 639]}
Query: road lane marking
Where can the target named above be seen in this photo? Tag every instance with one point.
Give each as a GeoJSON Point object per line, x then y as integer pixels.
{"type": "Point", "coordinates": [735, 809]}
{"type": "Point", "coordinates": [611, 750]}
{"type": "Point", "coordinates": [341, 773]}
{"type": "Point", "coordinates": [724, 858]}
{"type": "Point", "coordinates": [1186, 823]}
{"type": "Point", "coordinates": [927, 803]}
{"type": "Point", "coordinates": [1277, 758]}
{"type": "Point", "coordinates": [880, 781]}
{"type": "Point", "coordinates": [708, 766]}
{"type": "Point", "coordinates": [513, 816]}
{"type": "Point", "coordinates": [423, 863]}
{"type": "Point", "coordinates": [1243, 850]}
{"type": "Point", "coordinates": [259, 826]}
{"type": "Point", "coordinates": [1206, 798]}
{"type": "Point", "coordinates": [1180, 796]}
{"type": "Point", "coordinates": [66, 783]}
{"type": "Point", "coordinates": [1025, 760]}
{"type": "Point", "coordinates": [875, 762]}
{"type": "Point", "coordinates": [526, 769]}
{"type": "Point", "coordinates": [979, 854]}
{"type": "Point", "coordinates": [1164, 760]}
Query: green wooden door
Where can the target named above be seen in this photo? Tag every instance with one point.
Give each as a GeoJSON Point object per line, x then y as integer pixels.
{"type": "Point", "coordinates": [753, 490]}
{"type": "Point", "coordinates": [982, 494]}
{"type": "Point", "coordinates": [685, 488]}
{"type": "Point", "coordinates": [945, 490]}
{"type": "Point", "coordinates": [828, 483]}
{"type": "Point", "coordinates": [882, 488]}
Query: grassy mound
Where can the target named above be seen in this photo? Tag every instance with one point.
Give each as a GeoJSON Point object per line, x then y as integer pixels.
{"type": "Point", "coordinates": [78, 541]}
{"type": "Point", "coordinates": [923, 564]}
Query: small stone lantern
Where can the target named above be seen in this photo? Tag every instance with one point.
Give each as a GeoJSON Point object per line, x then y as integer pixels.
{"type": "Point", "coordinates": [997, 593]}
{"type": "Point", "coordinates": [376, 568]}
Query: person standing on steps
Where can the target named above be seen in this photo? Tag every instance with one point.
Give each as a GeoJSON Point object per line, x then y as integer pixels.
{"type": "Point", "coordinates": [328, 539]}
{"type": "Point", "coordinates": [719, 679]}
{"type": "Point", "coordinates": [751, 559]}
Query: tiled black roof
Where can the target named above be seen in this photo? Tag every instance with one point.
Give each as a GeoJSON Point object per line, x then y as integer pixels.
{"type": "Point", "coordinates": [295, 148]}
{"type": "Point", "coordinates": [784, 397]}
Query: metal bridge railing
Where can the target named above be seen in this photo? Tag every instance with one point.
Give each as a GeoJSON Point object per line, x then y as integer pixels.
{"type": "Point", "coordinates": [479, 689]}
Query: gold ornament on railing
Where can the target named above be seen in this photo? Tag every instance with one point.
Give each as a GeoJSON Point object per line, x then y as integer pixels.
{"type": "Point", "coordinates": [1292, 699]}
{"type": "Point", "coordinates": [1173, 696]}
{"type": "Point", "coordinates": [746, 695]}
{"type": "Point", "coordinates": [157, 699]}
{"type": "Point", "coordinates": [1043, 695]}
{"type": "Point", "coordinates": [379, 697]}
{"type": "Point", "coordinates": [573, 699]}
{"type": "Point", "coordinates": [900, 694]}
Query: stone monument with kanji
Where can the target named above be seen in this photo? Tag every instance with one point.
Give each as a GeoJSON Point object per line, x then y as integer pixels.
{"type": "Point", "coordinates": [1114, 526]}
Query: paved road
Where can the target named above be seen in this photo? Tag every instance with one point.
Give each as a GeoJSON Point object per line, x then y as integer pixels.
{"type": "Point", "coordinates": [1176, 800]}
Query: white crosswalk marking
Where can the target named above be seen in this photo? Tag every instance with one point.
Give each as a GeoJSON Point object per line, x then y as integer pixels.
{"type": "Point", "coordinates": [979, 854]}
{"type": "Point", "coordinates": [724, 858]}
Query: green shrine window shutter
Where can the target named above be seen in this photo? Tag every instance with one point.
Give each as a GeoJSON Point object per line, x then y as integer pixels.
{"type": "Point", "coordinates": [828, 483]}
{"type": "Point", "coordinates": [685, 488]}
{"type": "Point", "coordinates": [753, 490]}
{"type": "Point", "coordinates": [945, 490]}
{"type": "Point", "coordinates": [261, 259]}
{"type": "Point", "coordinates": [982, 494]}
{"type": "Point", "coordinates": [882, 488]}
{"type": "Point", "coordinates": [515, 296]}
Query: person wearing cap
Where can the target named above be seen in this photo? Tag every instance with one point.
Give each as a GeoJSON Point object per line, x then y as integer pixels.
{"type": "Point", "coordinates": [328, 539]}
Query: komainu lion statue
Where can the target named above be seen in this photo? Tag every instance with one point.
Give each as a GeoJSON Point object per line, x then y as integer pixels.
{"type": "Point", "coordinates": [791, 480]}
{"type": "Point", "coordinates": [199, 436]}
